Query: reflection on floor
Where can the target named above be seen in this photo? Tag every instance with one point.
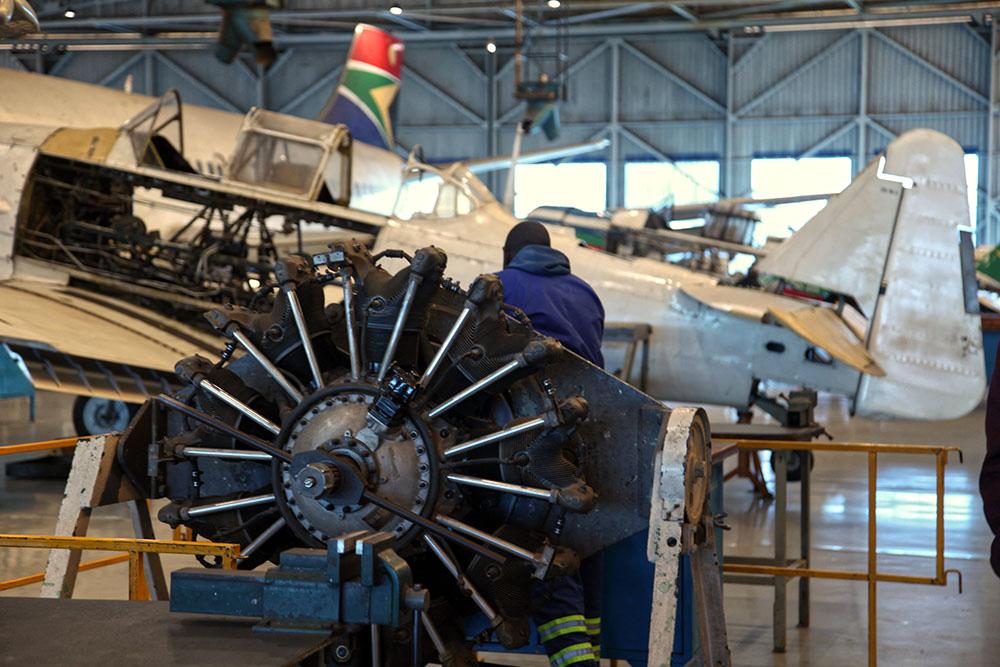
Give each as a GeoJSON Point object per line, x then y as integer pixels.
{"type": "Point", "coordinates": [918, 625]}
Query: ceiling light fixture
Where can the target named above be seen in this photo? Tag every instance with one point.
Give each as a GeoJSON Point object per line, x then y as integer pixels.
{"type": "Point", "coordinates": [491, 46]}
{"type": "Point", "coordinates": [554, 4]}
{"type": "Point", "coordinates": [395, 10]}
{"type": "Point", "coordinates": [69, 13]}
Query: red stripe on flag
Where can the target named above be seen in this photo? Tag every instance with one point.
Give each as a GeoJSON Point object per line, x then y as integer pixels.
{"type": "Point", "coordinates": [378, 48]}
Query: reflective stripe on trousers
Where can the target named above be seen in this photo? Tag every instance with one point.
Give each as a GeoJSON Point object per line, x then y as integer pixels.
{"type": "Point", "coordinates": [559, 618]}
{"type": "Point", "coordinates": [573, 654]}
{"type": "Point", "coordinates": [563, 625]}
{"type": "Point", "coordinates": [593, 626]}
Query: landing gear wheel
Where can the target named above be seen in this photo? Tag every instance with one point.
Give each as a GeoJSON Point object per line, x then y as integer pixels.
{"type": "Point", "coordinates": [97, 416]}
{"type": "Point", "coordinates": [795, 459]}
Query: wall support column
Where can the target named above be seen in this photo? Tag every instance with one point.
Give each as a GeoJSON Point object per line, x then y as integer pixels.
{"type": "Point", "coordinates": [861, 155]}
{"type": "Point", "coordinates": [149, 73]}
{"type": "Point", "coordinates": [988, 227]}
{"type": "Point", "coordinates": [491, 117]}
{"type": "Point", "coordinates": [261, 87]}
{"type": "Point", "coordinates": [615, 168]}
{"type": "Point", "coordinates": [728, 186]}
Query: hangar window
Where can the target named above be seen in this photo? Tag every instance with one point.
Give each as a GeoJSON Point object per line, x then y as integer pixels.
{"type": "Point", "coordinates": [652, 184]}
{"type": "Point", "coordinates": [582, 185]}
{"type": "Point", "coordinates": [788, 177]}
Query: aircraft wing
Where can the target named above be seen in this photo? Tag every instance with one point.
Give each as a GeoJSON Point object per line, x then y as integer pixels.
{"type": "Point", "coordinates": [84, 343]}
{"type": "Point", "coordinates": [820, 325]}
{"type": "Point", "coordinates": [602, 225]}
{"type": "Point", "coordinates": [496, 162]}
{"type": "Point", "coordinates": [702, 241]}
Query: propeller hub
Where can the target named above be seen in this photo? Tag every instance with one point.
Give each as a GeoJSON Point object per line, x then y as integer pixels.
{"type": "Point", "coordinates": [321, 489]}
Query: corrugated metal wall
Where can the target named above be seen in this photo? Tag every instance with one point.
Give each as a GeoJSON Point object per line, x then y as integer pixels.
{"type": "Point", "coordinates": [676, 96]}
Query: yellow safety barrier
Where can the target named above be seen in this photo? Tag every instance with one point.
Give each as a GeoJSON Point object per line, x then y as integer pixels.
{"type": "Point", "coordinates": [43, 445]}
{"type": "Point", "coordinates": [38, 577]}
{"type": "Point", "coordinates": [228, 553]}
{"type": "Point", "coordinates": [871, 575]}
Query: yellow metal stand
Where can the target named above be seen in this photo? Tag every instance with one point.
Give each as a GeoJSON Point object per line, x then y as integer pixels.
{"type": "Point", "coordinates": [41, 446]}
{"type": "Point", "coordinates": [137, 590]}
{"type": "Point", "coordinates": [871, 575]}
{"type": "Point", "coordinates": [101, 485]}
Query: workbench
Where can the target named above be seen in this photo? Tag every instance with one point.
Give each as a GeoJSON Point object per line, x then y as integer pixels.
{"type": "Point", "coordinates": [99, 633]}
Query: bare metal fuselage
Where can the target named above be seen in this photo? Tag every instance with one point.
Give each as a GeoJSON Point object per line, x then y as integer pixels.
{"type": "Point", "coordinates": [710, 344]}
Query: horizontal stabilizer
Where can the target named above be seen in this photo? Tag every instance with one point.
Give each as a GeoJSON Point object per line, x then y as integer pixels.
{"type": "Point", "coordinates": [820, 325]}
{"type": "Point", "coordinates": [824, 328]}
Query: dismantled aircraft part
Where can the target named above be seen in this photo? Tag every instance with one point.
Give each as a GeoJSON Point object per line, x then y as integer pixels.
{"type": "Point", "coordinates": [87, 222]}
{"type": "Point", "coordinates": [17, 18]}
{"type": "Point", "coordinates": [418, 411]}
{"type": "Point", "coordinates": [122, 208]}
{"type": "Point", "coordinates": [902, 262]}
{"type": "Point", "coordinates": [932, 366]}
{"type": "Point", "coordinates": [294, 156]}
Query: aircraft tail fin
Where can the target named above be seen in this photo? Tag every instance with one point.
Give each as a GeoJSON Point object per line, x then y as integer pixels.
{"type": "Point", "coordinates": [365, 97]}
{"type": "Point", "coordinates": [898, 240]}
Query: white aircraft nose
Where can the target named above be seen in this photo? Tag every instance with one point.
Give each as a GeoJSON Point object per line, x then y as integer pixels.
{"type": "Point", "coordinates": [17, 18]}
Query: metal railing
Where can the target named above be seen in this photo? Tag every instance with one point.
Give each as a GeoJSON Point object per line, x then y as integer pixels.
{"type": "Point", "coordinates": [229, 554]}
{"type": "Point", "coordinates": [871, 574]}
{"type": "Point", "coordinates": [41, 446]}
{"type": "Point", "coordinates": [137, 590]}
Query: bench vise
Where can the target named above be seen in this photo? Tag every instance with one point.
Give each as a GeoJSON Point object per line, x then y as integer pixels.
{"type": "Point", "coordinates": [358, 579]}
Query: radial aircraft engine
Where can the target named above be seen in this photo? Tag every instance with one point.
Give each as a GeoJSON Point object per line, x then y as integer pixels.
{"type": "Point", "coordinates": [411, 408]}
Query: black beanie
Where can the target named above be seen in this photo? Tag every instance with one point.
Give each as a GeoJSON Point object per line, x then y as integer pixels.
{"type": "Point", "coordinates": [523, 234]}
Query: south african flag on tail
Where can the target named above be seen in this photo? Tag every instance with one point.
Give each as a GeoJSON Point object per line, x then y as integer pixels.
{"type": "Point", "coordinates": [365, 99]}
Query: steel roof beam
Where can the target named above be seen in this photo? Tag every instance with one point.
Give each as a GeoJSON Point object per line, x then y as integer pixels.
{"type": "Point", "coordinates": [614, 12]}
{"type": "Point", "coordinates": [799, 71]}
{"type": "Point", "coordinates": [196, 82]}
{"type": "Point", "coordinates": [129, 63]}
{"type": "Point", "coordinates": [434, 89]}
{"type": "Point", "coordinates": [931, 67]}
{"type": "Point", "coordinates": [683, 11]}
{"type": "Point", "coordinates": [403, 21]}
{"type": "Point", "coordinates": [827, 140]}
{"type": "Point", "coordinates": [325, 81]}
{"type": "Point", "coordinates": [675, 78]}
{"type": "Point", "coordinates": [599, 29]}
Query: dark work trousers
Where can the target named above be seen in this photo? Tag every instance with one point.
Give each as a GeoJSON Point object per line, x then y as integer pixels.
{"type": "Point", "coordinates": [567, 613]}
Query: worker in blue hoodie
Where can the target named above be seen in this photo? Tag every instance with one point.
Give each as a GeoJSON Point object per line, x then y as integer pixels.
{"type": "Point", "coordinates": [537, 279]}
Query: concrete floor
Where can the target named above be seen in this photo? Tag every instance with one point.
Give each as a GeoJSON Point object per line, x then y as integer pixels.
{"type": "Point", "coordinates": [918, 625]}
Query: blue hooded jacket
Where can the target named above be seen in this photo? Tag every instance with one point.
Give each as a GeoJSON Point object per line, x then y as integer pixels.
{"type": "Point", "coordinates": [560, 305]}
